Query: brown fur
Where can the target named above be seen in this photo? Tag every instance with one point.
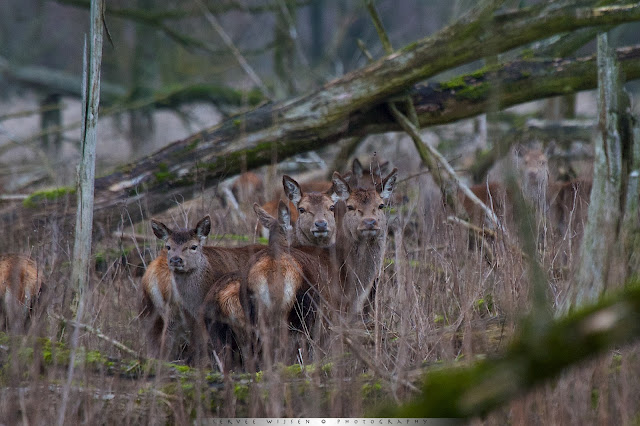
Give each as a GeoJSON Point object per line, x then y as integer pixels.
{"type": "Point", "coordinates": [278, 280]}
{"type": "Point", "coordinates": [533, 177]}
{"type": "Point", "coordinates": [248, 188]}
{"type": "Point", "coordinates": [20, 286]}
{"type": "Point", "coordinates": [370, 177]}
{"type": "Point", "coordinates": [156, 309]}
{"type": "Point", "coordinates": [567, 200]}
{"type": "Point", "coordinates": [275, 276]}
{"type": "Point", "coordinates": [315, 224]}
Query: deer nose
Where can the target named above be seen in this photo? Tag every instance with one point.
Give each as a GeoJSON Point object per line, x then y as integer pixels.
{"type": "Point", "coordinates": [176, 261]}
{"type": "Point", "coordinates": [321, 225]}
{"type": "Point", "coordinates": [369, 223]}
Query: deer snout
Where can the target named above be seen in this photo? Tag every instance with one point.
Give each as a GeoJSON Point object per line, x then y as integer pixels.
{"type": "Point", "coordinates": [369, 223]}
{"type": "Point", "coordinates": [321, 225]}
{"type": "Point", "coordinates": [176, 262]}
{"type": "Point", "coordinates": [320, 229]}
{"type": "Point", "coordinates": [369, 228]}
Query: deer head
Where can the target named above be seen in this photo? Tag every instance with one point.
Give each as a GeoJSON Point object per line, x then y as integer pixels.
{"type": "Point", "coordinates": [316, 223]}
{"type": "Point", "coordinates": [365, 216]}
{"type": "Point", "coordinates": [281, 232]}
{"type": "Point", "coordinates": [184, 246]}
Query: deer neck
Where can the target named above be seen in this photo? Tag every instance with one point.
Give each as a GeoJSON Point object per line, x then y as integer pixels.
{"type": "Point", "coordinates": [362, 261]}
{"type": "Point", "coordinates": [192, 287]}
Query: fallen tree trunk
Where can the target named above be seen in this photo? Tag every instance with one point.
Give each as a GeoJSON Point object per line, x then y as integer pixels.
{"type": "Point", "coordinates": [184, 167]}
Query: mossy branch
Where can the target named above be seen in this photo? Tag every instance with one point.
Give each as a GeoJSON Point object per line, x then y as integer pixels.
{"type": "Point", "coordinates": [204, 159]}
{"type": "Point", "coordinates": [533, 358]}
{"type": "Point", "coordinates": [171, 96]}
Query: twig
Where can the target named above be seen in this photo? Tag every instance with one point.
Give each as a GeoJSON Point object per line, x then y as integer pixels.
{"type": "Point", "coordinates": [377, 22]}
{"type": "Point", "coordinates": [372, 365]}
{"type": "Point", "coordinates": [293, 33]}
{"type": "Point", "coordinates": [236, 53]}
{"type": "Point", "coordinates": [409, 127]}
{"type": "Point", "coordinates": [13, 197]}
{"type": "Point", "coordinates": [483, 232]}
{"type": "Point", "coordinates": [96, 332]}
{"type": "Point", "coordinates": [364, 49]}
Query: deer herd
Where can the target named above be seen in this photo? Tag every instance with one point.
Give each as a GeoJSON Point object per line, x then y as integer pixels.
{"type": "Point", "coordinates": [321, 261]}
{"type": "Point", "coordinates": [318, 271]}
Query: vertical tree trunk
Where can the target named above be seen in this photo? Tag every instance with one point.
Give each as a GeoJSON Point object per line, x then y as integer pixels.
{"type": "Point", "coordinates": [601, 230]}
{"type": "Point", "coordinates": [86, 168]}
{"type": "Point", "coordinates": [51, 118]}
{"type": "Point", "coordinates": [85, 185]}
{"type": "Point", "coordinates": [630, 230]}
{"type": "Point", "coordinates": [145, 74]}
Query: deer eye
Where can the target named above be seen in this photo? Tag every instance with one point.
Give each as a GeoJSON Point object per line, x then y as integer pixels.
{"type": "Point", "coordinates": [332, 207]}
{"type": "Point", "coordinates": [350, 207]}
{"type": "Point", "coordinates": [381, 206]}
{"type": "Point", "coordinates": [194, 247]}
{"type": "Point", "coordinates": [301, 209]}
{"type": "Point", "coordinates": [167, 247]}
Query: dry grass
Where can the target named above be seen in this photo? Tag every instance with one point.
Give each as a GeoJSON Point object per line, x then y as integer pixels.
{"type": "Point", "coordinates": [437, 302]}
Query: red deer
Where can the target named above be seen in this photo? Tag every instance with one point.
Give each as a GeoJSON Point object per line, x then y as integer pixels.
{"type": "Point", "coordinates": [361, 237]}
{"type": "Point", "coordinates": [20, 286]}
{"type": "Point", "coordinates": [358, 176]}
{"type": "Point", "coordinates": [265, 292]}
{"type": "Point", "coordinates": [156, 308]}
{"type": "Point", "coordinates": [281, 274]}
{"type": "Point", "coordinates": [248, 188]}
{"type": "Point", "coordinates": [193, 269]}
{"type": "Point", "coordinates": [568, 201]}
{"type": "Point", "coordinates": [315, 224]}
{"type": "Point", "coordinates": [533, 174]}
{"type": "Point", "coordinates": [371, 177]}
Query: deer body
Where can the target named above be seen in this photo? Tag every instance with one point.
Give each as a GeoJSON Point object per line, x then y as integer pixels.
{"type": "Point", "coordinates": [192, 267]}
{"type": "Point", "coordinates": [247, 188]}
{"type": "Point", "coordinates": [20, 286]}
{"type": "Point", "coordinates": [361, 237]}
{"type": "Point", "coordinates": [533, 181]}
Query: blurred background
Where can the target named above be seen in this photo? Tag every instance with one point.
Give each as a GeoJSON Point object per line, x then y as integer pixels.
{"type": "Point", "coordinates": [167, 71]}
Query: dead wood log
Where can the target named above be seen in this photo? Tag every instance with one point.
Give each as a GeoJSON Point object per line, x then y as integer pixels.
{"type": "Point", "coordinates": [184, 167]}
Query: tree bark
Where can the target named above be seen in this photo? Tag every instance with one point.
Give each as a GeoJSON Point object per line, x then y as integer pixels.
{"type": "Point", "coordinates": [601, 230]}
{"type": "Point", "coordinates": [184, 167]}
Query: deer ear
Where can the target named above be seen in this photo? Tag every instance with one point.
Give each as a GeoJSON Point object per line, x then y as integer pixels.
{"type": "Point", "coordinates": [160, 230]}
{"type": "Point", "coordinates": [263, 216]}
{"type": "Point", "coordinates": [203, 227]}
{"type": "Point", "coordinates": [550, 150]}
{"type": "Point", "coordinates": [292, 189]}
{"type": "Point", "coordinates": [340, 188]}
{"type": "Point", "coordinates": [284, 215]}
{"type": "Point", "coordinates": [388, 184]}
{"type": "Point", "coordinates": [348, 177]}
{"type": "Point", "coordinates": [383, 168]}
{"type": "Point", "coordinates": [356, 168]}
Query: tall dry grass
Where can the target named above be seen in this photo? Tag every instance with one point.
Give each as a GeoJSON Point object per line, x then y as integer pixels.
{"type": "Point", "coordinates": [439, 301]}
